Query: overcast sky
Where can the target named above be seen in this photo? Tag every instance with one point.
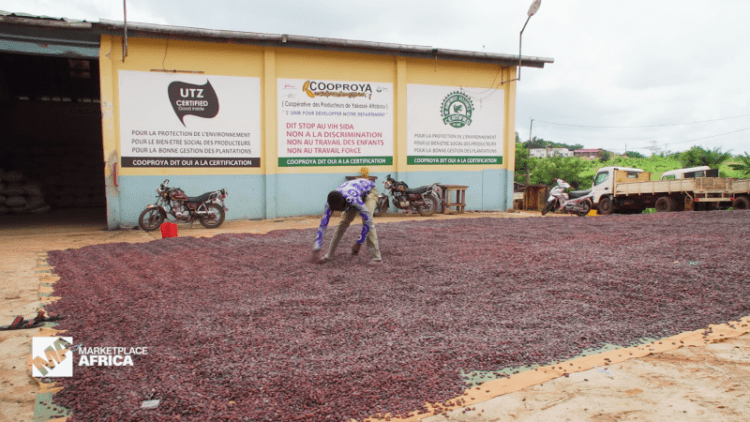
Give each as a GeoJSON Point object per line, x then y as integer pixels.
{"type": "Point", "coordinates": [628, 74]}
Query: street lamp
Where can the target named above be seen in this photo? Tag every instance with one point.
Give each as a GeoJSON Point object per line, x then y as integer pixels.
{"type": "Point", "coordinates": [532, 11]}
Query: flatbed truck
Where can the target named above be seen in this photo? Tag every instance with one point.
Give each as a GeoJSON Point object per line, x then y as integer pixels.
{"type": "Point", "coordinates": [629, 191]}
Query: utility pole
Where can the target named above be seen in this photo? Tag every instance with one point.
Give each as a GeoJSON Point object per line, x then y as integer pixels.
{"type": "Point", "coordinates": [528, 170]}
{"type": "Point", "coordinates": [531, 126]}
{"type": "Point", "coordinates": [125, 29]}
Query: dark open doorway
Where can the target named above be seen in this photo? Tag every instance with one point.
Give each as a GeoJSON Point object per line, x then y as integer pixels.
{"type": "Point", "coordinates": [51, 152]}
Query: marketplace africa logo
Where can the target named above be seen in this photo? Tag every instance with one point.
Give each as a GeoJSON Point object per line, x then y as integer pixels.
{"type": "Point", "coordinates": [198, 100]}
{"type": "Point", "coordinates": [457, 109]}
{"type": "Point", "coordinates": [337, 89]}
{"type": "Point", "coordinates": [53, 356]}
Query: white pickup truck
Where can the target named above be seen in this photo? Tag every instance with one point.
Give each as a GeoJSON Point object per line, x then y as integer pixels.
{"type": "Point", "coordinates": [629, 190]}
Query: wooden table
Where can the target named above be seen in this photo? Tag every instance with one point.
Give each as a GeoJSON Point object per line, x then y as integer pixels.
{"type": "Point", "coordinates": [446, 202]}
{"type": "Point", "coordinates": [373, 178]}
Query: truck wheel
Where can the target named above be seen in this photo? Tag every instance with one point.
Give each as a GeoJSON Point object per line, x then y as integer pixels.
{"type": "Point", "coordinates": [665, 204]}
{"type": "Point", "coordinates": [606, 207]}
{"type": "Point", "coordinates": [741, 203]}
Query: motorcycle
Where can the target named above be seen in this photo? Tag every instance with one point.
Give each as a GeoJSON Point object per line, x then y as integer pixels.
{"type": "Point", "coordinates": [424, 199]}
{"type": "Point", "coordinates": [208, 208]}
{"type": "Point", "coordinates": [576, 202]}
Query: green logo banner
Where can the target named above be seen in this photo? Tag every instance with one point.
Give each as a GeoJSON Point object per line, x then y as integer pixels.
{"type": "Point", "coordinates": [334, 161]}
{"type": "Point", "coordinates": [417, 160]}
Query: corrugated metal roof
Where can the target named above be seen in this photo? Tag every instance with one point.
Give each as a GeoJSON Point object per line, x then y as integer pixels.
{"type": "Point", "coordinates": [19, 18]}
{"type": "Point", "coordinates": [277, 40]}
{"type": "Point", "coordinates": [61, 37]}
{"type": "Point", "coordinates": [136, 29]}
{"type": "Point", "coordinates": [30, 16]}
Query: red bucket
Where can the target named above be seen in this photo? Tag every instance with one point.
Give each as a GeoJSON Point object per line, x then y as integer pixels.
{"type": "Point", "coordinates": [168, 230]}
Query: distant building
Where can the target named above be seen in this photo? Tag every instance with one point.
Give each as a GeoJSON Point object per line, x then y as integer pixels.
{"type": "Point", "coordinates": [549, 152]}
{"type": "Point", "coordinates": [588, 153]}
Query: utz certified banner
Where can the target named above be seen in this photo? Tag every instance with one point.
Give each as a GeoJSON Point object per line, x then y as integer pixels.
{"type": "Point", "coordinates": [451, 125]}
{"type": "Point", "coordinates": [334, 123]}
{"type": "Point", "coordinates": [185, 120]}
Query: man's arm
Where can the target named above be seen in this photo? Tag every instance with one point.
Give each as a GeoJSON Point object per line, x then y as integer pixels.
{"type": "Point", "coordinates": [322, 228]}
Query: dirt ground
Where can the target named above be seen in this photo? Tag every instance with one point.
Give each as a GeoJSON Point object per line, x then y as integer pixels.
{"type": "Point", "coordinates": [707, 381]}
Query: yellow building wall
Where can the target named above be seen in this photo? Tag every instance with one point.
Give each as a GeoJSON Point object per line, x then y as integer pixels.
{"type": "Point", "coordinates": [159, 55]}
{"type": "Point", "coordinates": [476, 79]}
{"type": "Point", "coordinates": [266, 195]}
{"type": "Point", "coordinates": [269, 63]}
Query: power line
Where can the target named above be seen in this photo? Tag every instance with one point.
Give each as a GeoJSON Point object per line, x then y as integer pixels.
{"type": "Point", "coordinates": [655, 143]}
{"type": "Point", "coordinates": [712, 136]}
{"type": "Point", "coordinates": [639, 127]}
{"type": "Point", "coordinates": [654, 148]}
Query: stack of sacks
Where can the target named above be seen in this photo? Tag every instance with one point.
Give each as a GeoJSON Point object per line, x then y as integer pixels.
{"type": "Point", "coordinates": [18, 195]}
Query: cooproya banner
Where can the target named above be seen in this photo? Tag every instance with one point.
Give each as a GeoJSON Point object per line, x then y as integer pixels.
{"type": "Point", "coordinates": [186, 120]}
{"type": "Point", "coordinates": [334, 123]}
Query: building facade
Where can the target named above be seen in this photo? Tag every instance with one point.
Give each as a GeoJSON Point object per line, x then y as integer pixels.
{"type": "Point", "coordinates": [590, 153]}
{"type": "Point", "coordinates": [280, 120]}
{"type": "Point", "coordinates": [550, 152]}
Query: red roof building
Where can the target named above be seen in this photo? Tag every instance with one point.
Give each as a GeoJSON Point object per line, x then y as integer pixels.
{"type": "Point", "coordinates": [588, 153]}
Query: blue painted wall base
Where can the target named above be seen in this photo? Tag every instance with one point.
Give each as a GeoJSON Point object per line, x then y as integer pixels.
{"type": "Point", "coordinates": [288, 195]}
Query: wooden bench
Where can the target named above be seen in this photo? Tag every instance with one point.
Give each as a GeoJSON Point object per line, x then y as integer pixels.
{"type": "Point", "coordinates": [446, 202]}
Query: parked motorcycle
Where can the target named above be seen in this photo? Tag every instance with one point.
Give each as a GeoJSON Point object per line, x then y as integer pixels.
{"type": "Point", "coordinates": [424, 199]}
{"type": "Point", "coordinates": [208, 208]}
{"type": "Point", "coordinates": [576, 202]}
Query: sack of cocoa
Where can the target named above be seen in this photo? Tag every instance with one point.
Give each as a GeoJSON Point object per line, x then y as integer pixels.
{"type": "Point", "coordinates": [32, 188]}
{"type": "Point", "coordinates": [13, 189]}
{"type": "Point", "coordinates": [13, 176]}
{"type": "Point", "coordinates": [15, 201]}
{"type": "Point", "coordinates": [33, 202]}
{"type": "Point", "coordinates": [41, 210]}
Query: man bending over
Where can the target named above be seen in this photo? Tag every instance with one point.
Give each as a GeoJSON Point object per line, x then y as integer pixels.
{"type": "Point", "coordinates": [357, 196]}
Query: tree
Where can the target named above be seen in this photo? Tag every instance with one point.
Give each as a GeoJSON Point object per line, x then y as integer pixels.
{"type": "Point", "coordinates": [536, 143]}
{"type": "Point", "coordinates": [524, 164]}
{"type": "Point", "coordinates": [605, 156]}
{"type": "Point", "coordinates": [541, 143]}
{"type": "Point", "coordinates": [634, 154]}
{"type": "Point", "coordinates": [566, 168]}
{"type": "Point", "coordinates": [698, 156]}
{"type": "Point", "coordinates": [571, 147]}
{"type": "Point", "coordinates": [744, 164]}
